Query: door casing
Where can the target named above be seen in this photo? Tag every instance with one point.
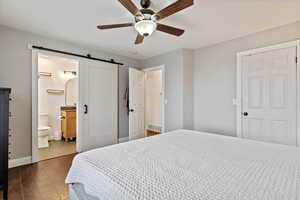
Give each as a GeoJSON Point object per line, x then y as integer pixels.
{"type": "Point", "coordinates": [163, 100]}
{"type": "Point", "coordinates": [239, 82]}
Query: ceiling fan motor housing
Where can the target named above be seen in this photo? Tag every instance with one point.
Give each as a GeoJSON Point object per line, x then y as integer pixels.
{"type": "Point", "coordinates": [145, 14]}
{"type": "Point", "coordinates": [145, 3]}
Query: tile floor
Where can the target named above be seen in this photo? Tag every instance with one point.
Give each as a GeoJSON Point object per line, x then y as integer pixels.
{"type": "Point", "coordinates": [57, 149]}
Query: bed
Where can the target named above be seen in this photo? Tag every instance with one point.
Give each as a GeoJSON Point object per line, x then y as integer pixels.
{"type": "Point", "coordinates": [187, 165]}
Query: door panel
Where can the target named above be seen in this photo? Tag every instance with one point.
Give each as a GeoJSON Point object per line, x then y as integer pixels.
{"type": "Point", "coordinates": [255, 92]}
{"type": "Point", "coordinates": [255, 128]}
{"type": "Point", "coordinates": [269, 96]}
{"type": "Point", "coordinates": [279, 128]}
{"type": "Point", "coordinates": [136, 104]}
{"type": "Point", "coordinates": [279, 91]}
{"type": "Point", "coordinates": [98, 104]}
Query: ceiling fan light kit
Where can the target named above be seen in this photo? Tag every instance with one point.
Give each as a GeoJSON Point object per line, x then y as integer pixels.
{"type": "Point", "coordinates": [146, 20]}
{"type": "Point", "coordinates": [145, 27]}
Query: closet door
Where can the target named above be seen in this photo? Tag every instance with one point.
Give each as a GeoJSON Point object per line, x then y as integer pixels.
{"type": "Point", "coordinates": [136, 104]}
{"type": "Point", "coordinates": [98, 105]}
{"type": "Point", "coordinates": [269, 96]}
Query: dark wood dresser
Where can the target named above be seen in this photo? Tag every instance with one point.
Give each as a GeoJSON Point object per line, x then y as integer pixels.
{"type": "Point", "coordinates": [4, 137]}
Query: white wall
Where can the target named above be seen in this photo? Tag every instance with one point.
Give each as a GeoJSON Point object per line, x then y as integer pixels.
{"type": "Point", "coordinates": [188, 89]}
{"type": "Point", "coordinates": [215, 78]}
{"type": "Point", "coordinates": [201, 84]}
{"type": "Point", "coordinates": [178, 87]}
{"type": "Point", "coordinates": [173, 86]}
{"type": "Point", "coordinates": [51, 103]}
{"type": "Point", "coordinates": [15, 72]}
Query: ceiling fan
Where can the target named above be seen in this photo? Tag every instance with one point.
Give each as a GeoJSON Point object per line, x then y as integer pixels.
{"type": "Point", "coordinates": [146, 20]}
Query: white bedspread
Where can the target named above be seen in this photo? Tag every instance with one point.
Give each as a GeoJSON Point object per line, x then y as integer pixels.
{"type": "Point", "coordinates": [190, 165]}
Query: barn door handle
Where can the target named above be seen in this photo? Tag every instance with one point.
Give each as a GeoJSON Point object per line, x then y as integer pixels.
{"type": "Point", "coordinates": [85, 109]}
{"type": "Point", "coordinates": [245, 114]}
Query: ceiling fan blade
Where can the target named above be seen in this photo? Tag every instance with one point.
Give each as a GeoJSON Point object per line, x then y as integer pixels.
{"type": "Point", "coordinates": [131, 7]}
{"type": "Point", "coordinates": [169, 29]}
{"type": "Point", "coordinates": [139, 39]}
{"type": "Point", "coordinates": [110, 26]}
{"type": "Point", "coordinates": [174, 8]}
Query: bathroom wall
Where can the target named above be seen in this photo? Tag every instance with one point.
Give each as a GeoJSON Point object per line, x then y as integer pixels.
{"type": "Point", "coordinates": [51, 103]}
{"type": "Point", "coordinates": [72, 92]}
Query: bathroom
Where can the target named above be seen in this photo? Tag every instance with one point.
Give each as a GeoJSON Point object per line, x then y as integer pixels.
{"type": "Point", "coordinates": [57, 100]}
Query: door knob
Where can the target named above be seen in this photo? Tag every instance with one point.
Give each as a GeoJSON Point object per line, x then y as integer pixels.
{"type": "Point", "coordinates": [245, 114]}
{"type": "Point", "coordinates": [131, 110]}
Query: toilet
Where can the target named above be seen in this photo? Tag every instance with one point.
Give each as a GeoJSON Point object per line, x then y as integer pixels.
{"type": "Point", "coordinates": [43, 130]}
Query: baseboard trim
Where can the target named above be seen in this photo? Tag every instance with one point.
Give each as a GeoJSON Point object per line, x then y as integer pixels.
{"type": "Point", "coordinates": [123, 139]}
{"type": "Point", "coordinates": [19, 162]}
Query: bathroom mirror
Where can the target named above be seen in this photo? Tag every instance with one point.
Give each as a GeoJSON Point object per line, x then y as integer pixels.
{"type": "Point", "coordinates": [71, 92]}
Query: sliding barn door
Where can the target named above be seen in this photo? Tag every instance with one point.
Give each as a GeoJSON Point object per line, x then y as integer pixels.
{"type": "Point", "coordinates": [136, 104]}
{"type": "Point", "coordinates": [269, 96]}
{"type": "Point", "coordinates": [98, 105]}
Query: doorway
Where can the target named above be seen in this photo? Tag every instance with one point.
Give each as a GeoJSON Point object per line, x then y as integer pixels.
{"type": "Point", "coordinates": [146, 102]}
{"type": "Point", "coordinates": [153, 101]}
{"type": "Point", "coordinates": [57, 106]}
{"type": "Point", "coordinates": [94, 110]}
{"type": "Point", "coordinates": [267, 92]}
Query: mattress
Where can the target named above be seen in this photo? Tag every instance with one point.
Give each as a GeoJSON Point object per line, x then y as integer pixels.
{"type": "Point", "coordinates": [77, 192]}
{"type": "Point", "coordinates": [189, 165]}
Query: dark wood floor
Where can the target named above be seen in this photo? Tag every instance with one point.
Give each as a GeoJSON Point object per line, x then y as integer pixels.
{"type": "Point", "coordinates": [42, 181]}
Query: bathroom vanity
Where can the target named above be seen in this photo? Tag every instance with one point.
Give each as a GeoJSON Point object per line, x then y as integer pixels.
{"type": "Point", "coordinates": [68, 122]}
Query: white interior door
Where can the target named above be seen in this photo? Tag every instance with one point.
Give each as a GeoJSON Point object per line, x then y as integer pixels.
{"type": "Point", "coordinates": [269, 102]}
{"type": "Point", "coordinates": [98, 104]}
{"type": "Point", "coordinates": [136, 104]}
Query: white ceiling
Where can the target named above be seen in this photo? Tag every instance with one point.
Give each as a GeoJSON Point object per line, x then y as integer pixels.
{"type": "Point", "coordinates": [206, 23]}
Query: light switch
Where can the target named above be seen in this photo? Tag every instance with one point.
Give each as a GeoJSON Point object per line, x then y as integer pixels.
{"type": "Point", "coordinates": [235, 102]}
